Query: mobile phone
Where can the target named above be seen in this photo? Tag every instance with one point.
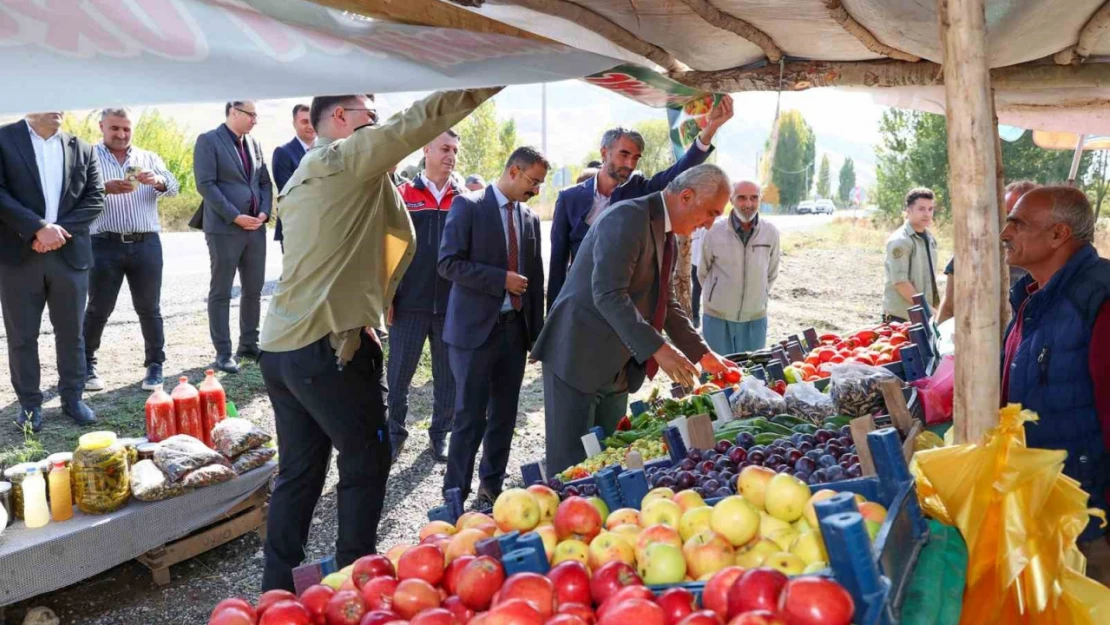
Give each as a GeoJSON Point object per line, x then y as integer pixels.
{"type": "Point", "coordinates": [132, 174]}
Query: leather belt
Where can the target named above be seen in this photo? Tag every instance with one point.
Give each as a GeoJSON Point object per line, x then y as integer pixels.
{"type": "Point", "coordinates": [127, 237]}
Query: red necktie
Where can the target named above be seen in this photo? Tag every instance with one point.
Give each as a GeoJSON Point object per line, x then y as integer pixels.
{"type": "Point", "coordinates": [514, 254]}
{"type": "Point", "coordinates": [247, 170]}
{"type": "Point", "coordinates": [660, 313]}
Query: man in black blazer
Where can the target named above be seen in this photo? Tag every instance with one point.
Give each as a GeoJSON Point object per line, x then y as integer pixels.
{"type": "Point", "coordinates": [232, 179]}
{"type": "Point", "coordinates": [288, 156]}
{"type": "Point", "coordinates": [50, 191]}
{"type": "Point", "coordinates": [490, 251]}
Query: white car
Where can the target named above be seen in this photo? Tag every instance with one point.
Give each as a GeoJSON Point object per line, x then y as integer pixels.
{"type": "Point", "coordinates": [824, 206]}
{"type": "Point", "coordinates": [806, 207]}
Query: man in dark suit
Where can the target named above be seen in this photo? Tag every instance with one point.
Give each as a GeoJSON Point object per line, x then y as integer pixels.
{"type": "Point", "coordinates": [490, 251]}
{"type": "Point", "coordinates": [232, 179]}
{"type": "Point", "coordinates": [616, 180]}
{"type": "Point", "coordinates": [603, 335]}
{"type": "Point", "coordinates": [50, 191]}
{"type": "Point", "coordinates": [288, 156]}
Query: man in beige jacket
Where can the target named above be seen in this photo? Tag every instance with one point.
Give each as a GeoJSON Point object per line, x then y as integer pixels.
{"type": "Point", "coordinates": [348, 241]}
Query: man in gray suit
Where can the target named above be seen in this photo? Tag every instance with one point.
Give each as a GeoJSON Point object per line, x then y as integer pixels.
{"type": "Point", "coordinates": [232, 179]}
{"type": "Point", "coordinates": [603, 334]}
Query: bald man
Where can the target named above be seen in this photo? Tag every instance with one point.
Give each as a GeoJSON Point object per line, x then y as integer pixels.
{"type": "Point", "coordinates": [738, 265]}
{"type": "Point", "coordinates": [1056, 358]}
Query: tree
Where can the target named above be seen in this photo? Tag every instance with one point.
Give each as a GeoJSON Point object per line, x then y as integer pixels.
{"type": "Point", "coordinates": [1097, 184]}
{"type": "Point", "coordinates": [794, 155]}
{"type": "Point", "coordinates": [658, 154]}
{"type": "Point", "coordinates": [485, 142]}
{"type": "Point", "coordinates": [847, 180]}
{"type": "Point", "coordinates": [823, 178]}
{"type": "Point", "coordinates": [1024, 160]}
{"type": "Point", "coordinates": [770, 195]}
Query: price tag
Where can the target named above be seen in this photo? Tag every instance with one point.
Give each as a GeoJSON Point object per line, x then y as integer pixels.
{"type": "Point", "coordinates": [591, 445]}
{"type": "Point", "coordinates": [722, 408]}
{"type": "Point", "coordinates": [683, 429]}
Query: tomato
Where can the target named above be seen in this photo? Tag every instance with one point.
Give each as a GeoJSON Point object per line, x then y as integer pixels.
{"type": "Point", "coordinates": [837, 359]}
{"type": "Point", "coordinates": [732, 376]}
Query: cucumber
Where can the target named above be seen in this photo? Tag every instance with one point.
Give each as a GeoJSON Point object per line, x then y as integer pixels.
{"type": "Point", "coordinates": [781, 430]}
{"type": "Point", "coordinates": [766, 438]}
{"type": "Point", "coordinates": [805, 428]}
{"type": "Point", "coordinates": [788, 420]}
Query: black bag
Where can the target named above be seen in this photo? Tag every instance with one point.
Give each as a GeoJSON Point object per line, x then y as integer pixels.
{"type": "Point", "coordinates": [196, 222]}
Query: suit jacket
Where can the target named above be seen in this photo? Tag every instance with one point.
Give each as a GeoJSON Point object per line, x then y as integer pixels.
{"type": "Point", "coordinates": [285, 161]}
{"type": "Point", "coordinates": [23, 209]}
{"type": "Point", "coordinates": [473, 256]}
{"type": "Point", "coordinates": [569, 227]}
{"type": "Point", "coordinates": [601, 320]}
{"type": "Point", "coordinates": [224, 186]}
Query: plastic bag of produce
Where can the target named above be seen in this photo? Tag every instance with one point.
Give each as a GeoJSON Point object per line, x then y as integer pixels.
{"type": "Point", "coordinates": [180, 454]}
{"type": "Point", "coordinates": [207, 476]}
{"type": "Point", "coordinates": [148, 483]}
{"type": "Point", "coordinates": [755, 399]}
{"type": "Point", "coordinates": [855, 390]}
{"type": "Point", "coordinates": [252, 459]}
{"type": "Point", "coordinates": [234, 436]}
{"type": "Point", "coordinates": [805, 401]}
{"type": "Point", "coordinates": [938, 391]}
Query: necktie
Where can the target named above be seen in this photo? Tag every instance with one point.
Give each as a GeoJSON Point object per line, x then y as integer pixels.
{"type": "Point", "coordinates": [514, 254]}
{"type": "Point", "coordinates": [660, 313]}
{"type": "Point", "coordinates": [241, 144]}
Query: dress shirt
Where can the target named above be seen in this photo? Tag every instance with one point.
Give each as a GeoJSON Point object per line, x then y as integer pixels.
{"type": "Point", "coordinates": [436, 191]}
{"type": "Point", "coordinates": [306, 146]}
{"type": "Point", "coordinates": [507, 305]}
{"type": "Point", "coordinates": [127, 213]}
{"type": "Point", "coordinates": [50, 160]}
{"type": "Point", "coordinates": [601, 202]}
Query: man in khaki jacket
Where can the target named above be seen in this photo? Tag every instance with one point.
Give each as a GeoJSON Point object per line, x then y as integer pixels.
{"type": "Point", "coordinates": [911, 259]}
{"type": "Point", "coordinates": [348, 241]}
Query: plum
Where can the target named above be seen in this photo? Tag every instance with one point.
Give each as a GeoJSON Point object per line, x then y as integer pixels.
{"type": "Point", "coordinates": [745, 440]}
{"type": "Point", "coordinates": [826, 461]}
{"type": "Point", "coordinates": [723, 446]}
{"type": "Point", "coordinates": [684, 480]}
{"type": "Point", "coordinates": [804, 446]}
{"type": "Point", "coordinates": [792, 455]}
{"type": "Point", "coordinates": [737, 454]}
{"type": "Point", "coordinates": [711, 485]}
{"type": "Point", "coordinates": [823, 436]}
{"type": "Point", "coordinates": [805, 464]}
{"type": "Point", "coordinates": [687, 464]}
{"type": "Point", "coordinates": [855, 470]}
{"type": "Point", "coordinates": [756, 457]}
{"type": "Point", "coordinates": [775, 460]}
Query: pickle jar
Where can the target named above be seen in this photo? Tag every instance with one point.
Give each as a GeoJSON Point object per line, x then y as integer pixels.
{"type": "Point", "coordinates": [66, 458]}
{"type": "Point", "coordinates": [100, 467]}
{"type": "Point", "coordinates": [15, 475]}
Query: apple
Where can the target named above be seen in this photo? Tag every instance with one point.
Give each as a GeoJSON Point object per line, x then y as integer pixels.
{"type": "Point", "coordinates": [768, 524]}
{"type": "Point", "coordinates": [810, 548]}
{"type": "Point", "coordinates": [872, 512]}
{"type": "Point", "coordinates": [456, 606]}
{"type": "Point", "coordinates": [753, 554]}
{"type": "Point", "coordinates": [413, 596]}
{"type": "Point", "coordinates": [629, 532]}
{"type": "Point", "coordinates": [625, 594]}
{"type": "Point", "coordinates": [707, 553]}
{"type": "Point", "coordinates": [677, 603]}
{"type": "Point", "coordinates": [694, 521]}
{"type": "Point", "coordinates": [756, 589]}
{"type": "Point", "coordinates": [688, 499]}
{"type": "Point", "coordinates": [662, 564]}
{"type": "Point", "coordinates": [395, 553]}
{"type": "Point", "coordinates": [578, 519]}
{"type": "Point", "coordinates": [533, 588]}
{"type": "Point", "coordinates": [478, 581]}
{"type": "Point", "coordinates": [550, 539]}
{"type": "Point", "coordinates": [379, 617]}
{"type": "Point", "coordinates": [656, 493]}
{"type": "Point", "coordinates": [622, 516]}
{"type": "Point", "coordinates": [516, 509]}
{"type": "Point", "coordinates": [787, 563]}
{"type": "Point", "coordinates": [735, 519]}
{"type": "Point", "coordinates": [753, 483]}
{"type": "Point", "coordinates": [437, 527]}
{"type": "Point", "coordinates": [810, 513]}
{"type": "Point", "coordinates": [802, 525]}
{"type": "Point", "coordinates": [638, 611]}
{"type": "Point", "coordinates": [270, 597]}
{"type": "Point", "coordinates": [474, 520]}
{"type": "Point", "coordinates": [424, 562]}
{"type": "Point", "coordinates": [345, 607]}
{"type": "Point", "coordinates": [451, 573]}
{"type": "Point", "coordinates": [232, 615]}
{"type": "Point", "coordinates": [815, 601]}
{"type": "Point", "coordinates": [786, 497]}
{"type": "Point", "coordinates": [572, 582]}
{"type": "Point", "coordinates": [371, 566]}
{"type": "Point", "coordinates": [464, 543]}
{"type": "Point", "coordinates": [661, 512]}
{"type": "Point", "coordinates": [610, 578]}
{"type": "Point", "coordinates": [571, 550]}
{"type": "Point", "coordinates": [581, 610]}
{"type": "Point", "coordinates": [701, 617]}
{"type": "Point", "coordinates": [657, 534]}
{"type": "Point", "coordinates": [757, 617]}
{"type": "Point", "coordinates": [566, 619]}
{"type": "Point", "coordinates": [602, 507]}
{"type": "Point", "coordinates": [434, 616]}
{"type": "Point", "coordinates": [784, 537]}
{"type": "Point", "coordinates": [236, 602]}
{"type": "Point", "coordinates": [714, 596]}
{"type": "Point", "coordinates": [378, 593]}
{"type": "Point", "coordinates": [315, 599]}
{"type": "Point", "coordinates": [514, 612]}
{"type": "Point", "coordinates": [286, 612]}
{"type": "Point", "coordinates": [608, 547]}
{"type": "Point", "coordinates": [547, 499]}
{"type": "Point", "coordinates": [873, 528]}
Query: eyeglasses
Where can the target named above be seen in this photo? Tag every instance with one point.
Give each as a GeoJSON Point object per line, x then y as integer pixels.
{"type": "Point", "coordinates": [253, 116]}
{"type": "Point", "coordinates": [370, 112]}
{"type": "Point", "coordinates": [536, 184]}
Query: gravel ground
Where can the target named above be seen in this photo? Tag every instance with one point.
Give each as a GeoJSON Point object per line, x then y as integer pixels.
{"type": "Point", "coordinates": [833, 289]}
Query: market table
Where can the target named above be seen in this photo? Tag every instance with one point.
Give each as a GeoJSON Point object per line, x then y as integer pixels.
{"type": "Point", "coordinates": [37, 561]}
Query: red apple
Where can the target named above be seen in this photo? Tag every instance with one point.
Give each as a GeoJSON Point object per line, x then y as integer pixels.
{"type": "Point", "coordinates": [581, 610]}
{"type": "Point", "coordinates": [624, 594]}
{"type": "Point", "coordinates": [577, 518]}
{"type": "Point", "coordinates": [715, 594]}
{"type": "Point", "coordinates": [610, 578]}
{"type": "Point", "coordinates": [369, 567]}
{"type": "Point", "coordinates": [315, 599]}
{"type": "Point", "coordinates": [756, 617]}
{"type": "Point", "coordinates": [379, 617]}
{"type": "Point", "coordinates": [285, 612]}
{"type": "Point", "coordinates": [755, 589]}
{"type": "Point", "coordinates": [270, 597]}
{"type": "Point", "coordinates": [235, 602]}
{"type": "Point", "coordinates": [565, 619]}
{"type": "Point", "coordinates": [634, 611]}
{"type": "Point", "coordinates": [815, 600]}
{"type": "Point", "coordinates": [701, 617]}
{"type": "Point", "coordinates": [451, 573]}
{"type": "Point", "coordinates": [414, 596]}
{"type": "Point", "coordinates": [462, 613]}
{"type": "Point", "coordinates": [424, 562]}
{"type": "Point", "coordinates": [572, 582]}
{"type": "Point", "coordinates": [677, 603]}
{"type": "Point", "coordinates": [533, 588]}
{"type": "Point", "coordinates": [479, 581]}
{"type": "Point", "coordinates": [434, 616]}
{"type": "Point", "coordinates": [346, 607]}
{"type": "Point", "coordinates": [378, 593]}
{"type": "Point", "coordinates": [231, 615]}
{"type": "Point", "coordinates": [514, 612]}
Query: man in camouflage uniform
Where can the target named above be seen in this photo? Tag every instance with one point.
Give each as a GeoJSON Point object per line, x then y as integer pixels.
{"type": "Point", "coordinates": [911, 258]}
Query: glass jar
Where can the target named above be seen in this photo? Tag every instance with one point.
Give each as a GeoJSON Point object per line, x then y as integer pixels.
{"type": "Point", "coordinates": [66, 458]}
{"type": "Point", "coordinates": [100, 466]}
{"type": "Point", "coordinates": [15, 475]}
{"type": "Point", "coordinates": [132, 447]}
{"type": "Point", "coordinates": [6, 503]}
{"type": "Point", "coordinates": [146, 451]}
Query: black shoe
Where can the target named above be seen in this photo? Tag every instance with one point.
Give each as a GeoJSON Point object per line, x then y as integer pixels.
{"type": "Point", "coordinates": [92, 380]}
{"type": "Point", "coordinates": [396, 453]}
{"type": "Point", "coordinates": [34, 415]}
{"type": "Point", "coordinates": [153, 378]}
{"type": "Point", "coordinates": [483, 502]}
{"type": "Point", "coordinates": [227, 364]}
{"type": "Point", "coordinates": [439, 450]}
{"type": "Point", "coordinates": [79, 412]}
{"type": "Point", "coordinates": [250, 353]}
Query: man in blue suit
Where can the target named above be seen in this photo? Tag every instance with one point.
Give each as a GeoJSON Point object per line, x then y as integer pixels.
{"type": "Point", "coordinates": [288, 156]}
{"type": "Point", "coordinates": [490, 251]}
{"type": "Point", "coordinates": [579, 206]}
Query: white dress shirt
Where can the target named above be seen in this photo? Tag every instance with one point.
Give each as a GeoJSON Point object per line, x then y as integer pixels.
{"type": "Point", "coordinates": [50, 159]}
{"type": "Point", "coordinates": [437, 193]}
{"type": "Point", "coordinates": [601, 202]}
{"type": "Point", "coordinates": [306, 146]}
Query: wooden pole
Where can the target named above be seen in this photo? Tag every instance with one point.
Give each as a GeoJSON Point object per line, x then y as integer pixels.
{"type": "Point", "coordinates": [1004, 282]}
{"type": "Point", "coordinates": [974, 190]}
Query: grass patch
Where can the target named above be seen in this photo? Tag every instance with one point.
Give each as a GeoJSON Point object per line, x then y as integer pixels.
{"type": "Point", "coordinates": [859, 233]}
{"type": "Point", "coordinates": [176, 211]}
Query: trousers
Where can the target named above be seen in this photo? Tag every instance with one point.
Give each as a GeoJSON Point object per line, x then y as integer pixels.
{"type": "Point", "coordinates": [407, 335]}
{"type": "Point", "coordinates": [141, 264]}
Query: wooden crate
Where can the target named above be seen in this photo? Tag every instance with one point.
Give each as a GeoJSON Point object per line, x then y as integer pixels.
{"type": "Point", "coordinates": [248, 516]}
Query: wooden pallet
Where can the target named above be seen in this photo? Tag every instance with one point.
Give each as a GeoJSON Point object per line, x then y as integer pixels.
{"type": "Point", "coordinates": [248, 516]}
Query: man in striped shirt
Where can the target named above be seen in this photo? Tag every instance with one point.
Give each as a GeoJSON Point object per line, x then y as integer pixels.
{"type": "Point", "coordinates": [125, 243]}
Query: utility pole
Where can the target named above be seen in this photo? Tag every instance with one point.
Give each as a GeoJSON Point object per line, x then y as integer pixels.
{"type": "Point", "coordinates": [543, 119]}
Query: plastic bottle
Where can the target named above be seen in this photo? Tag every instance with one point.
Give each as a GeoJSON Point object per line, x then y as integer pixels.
{"type": "Point", "coordinates": [213, 404]}
{"type": "Point", "coordinates": [61, 499]}
{"type": "Point", "coordinates": [35, 511]}
{"type": "Point", "coordinates": [160, 420]}
{"type": "Point", "coordinates": [186, 407]}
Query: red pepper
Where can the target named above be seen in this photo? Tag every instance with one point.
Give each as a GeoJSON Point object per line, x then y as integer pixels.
{"type": "Point", "coordinates": [732, 376]}
{"type": "Point", "coordinates": [624, 424]}
{"type": "Point", "coordinates": [779, 387]}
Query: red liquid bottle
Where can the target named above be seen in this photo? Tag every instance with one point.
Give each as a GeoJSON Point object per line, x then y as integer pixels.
{"type": "Point", "coordinates": [160, 420]}
{"type": "Point", "coordinates": [213, 404]}
{"type": "Point", "coordinates": [186, 405]}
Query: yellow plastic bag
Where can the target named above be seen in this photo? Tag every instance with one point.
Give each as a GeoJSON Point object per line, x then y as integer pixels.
{"type": "Point", "coordinates": [1020, 516]}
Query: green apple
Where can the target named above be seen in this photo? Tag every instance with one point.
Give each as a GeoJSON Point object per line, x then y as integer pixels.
{"type": "Point", "coordinates": [786, 497]}
{"type": "Point", "coordinates": [662, 564]}
{"type": "Point", "coordinates": [753, 484]}
{"type": "Point", "coordinates": [601, 506]}
{"type": "Point", "coordinates": [810, 512]}
{"type": "Point", "coordinates": [786, 563]}
{"type": "Point", "coordinates": [735, 519]}
{"type": "Point", "coordinates": [694, 521]}
{"type": "Point", "coordinates": [334, 580]}
{"type": "Point", "coordinates": [658, 493]}
{"type": "Point", "coordinates": [872, 528]}
{"type": "Point", "coordinates": [768, 524]}
{"type": "Point", "coordinates": [754, 554]}
{"type": "Point", "coordinates": [809, 547]}
{"type": "Point", "coordinates": [802, 526]}
{"type": "Point", "coordinates": [784, 537]}
{"type": "Point", "coordinates": [707, 553]}
{"type": "Point", "coordinates": [688, 499]}
{"type": "Point", "coordinates": [661, 512]}
{"type": "Point", "coordinates": [815, 567]}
